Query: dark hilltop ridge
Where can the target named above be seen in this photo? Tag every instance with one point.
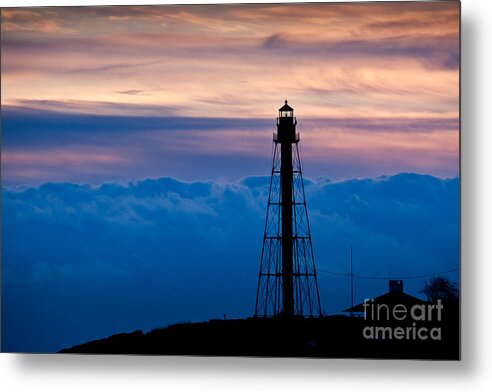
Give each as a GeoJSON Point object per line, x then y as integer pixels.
{"type": "Point", "coordinates": [328, 337]}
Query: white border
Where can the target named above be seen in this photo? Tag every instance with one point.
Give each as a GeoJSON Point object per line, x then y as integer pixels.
{"type": "Point", "coordinates": [473, 373]}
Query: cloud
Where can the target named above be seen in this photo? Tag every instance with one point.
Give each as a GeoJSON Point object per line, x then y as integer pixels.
{"type": "Point", "coordinates": [132, 92]}
{"type": "Point", "coordinates": [80, 262]}
{"type": "Point", "coordinates": [45, 108]}
{"type": "Point", "coordinates": [429, 50]}
{"type": "Point", "coordinates": [37, 20]}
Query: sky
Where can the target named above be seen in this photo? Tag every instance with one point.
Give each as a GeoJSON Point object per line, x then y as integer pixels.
{"type": "Point", "coordinates": [374, 87]}
{"type": "Point", "coordinates": [136, 148]}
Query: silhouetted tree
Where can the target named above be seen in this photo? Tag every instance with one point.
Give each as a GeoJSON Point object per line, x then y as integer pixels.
{"type": "Point", "coordinates": [440, 287]}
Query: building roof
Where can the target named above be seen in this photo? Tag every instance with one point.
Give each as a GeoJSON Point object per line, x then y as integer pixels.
{"type": "Point", "coordinates": [392, 298]}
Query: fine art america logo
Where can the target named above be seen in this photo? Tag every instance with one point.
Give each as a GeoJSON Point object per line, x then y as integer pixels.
{"type": "Point", "coordinates": [402, 322]}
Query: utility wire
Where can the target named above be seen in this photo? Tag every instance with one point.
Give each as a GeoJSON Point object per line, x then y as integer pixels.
{"type": "Point", "coordinates": [388, 277]}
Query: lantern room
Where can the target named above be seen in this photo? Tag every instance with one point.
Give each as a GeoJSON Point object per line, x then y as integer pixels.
{"type": "Point", "coordinates": [286, 126]}
{"type": "Point", "coordinates": [286, 111]}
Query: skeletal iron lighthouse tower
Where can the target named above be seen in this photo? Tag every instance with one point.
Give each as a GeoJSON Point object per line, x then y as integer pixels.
{"type": "Point", "coordinates": [287, 283]}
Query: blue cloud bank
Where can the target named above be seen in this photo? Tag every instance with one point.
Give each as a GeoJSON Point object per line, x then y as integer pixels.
{"type": "Point", "coordinates": [81, 262]}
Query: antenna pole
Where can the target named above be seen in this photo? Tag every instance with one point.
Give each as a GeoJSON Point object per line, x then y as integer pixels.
{"type": "Point", "coordinates": [351, 283]}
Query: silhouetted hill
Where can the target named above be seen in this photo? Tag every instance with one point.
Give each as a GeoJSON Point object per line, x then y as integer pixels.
{"type": "Point", "coordinates": [335, 336]}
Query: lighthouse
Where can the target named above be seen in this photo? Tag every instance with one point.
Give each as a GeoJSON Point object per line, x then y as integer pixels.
{"type": "Point", "coordinates": [287, 282]}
